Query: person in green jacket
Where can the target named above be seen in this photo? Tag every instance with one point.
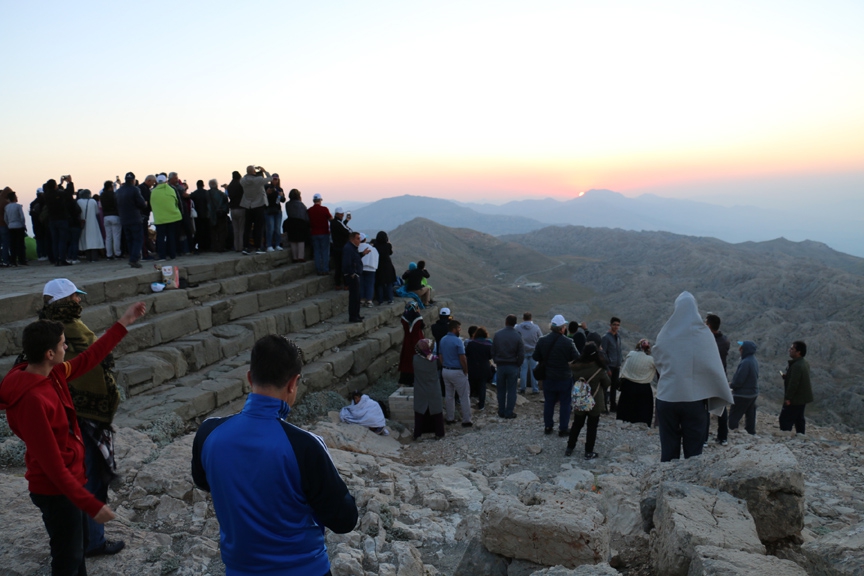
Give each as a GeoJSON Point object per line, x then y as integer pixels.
{"type": "Point", "coordinates": [797, 390]}
{"type": "Point", "coordinates": [165, 204]}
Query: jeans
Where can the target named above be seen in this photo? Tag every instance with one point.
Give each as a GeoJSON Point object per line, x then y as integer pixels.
{"type": "Point", "coordinates": [507, 376]}
{"type": "Point", "coordinates": [113, 229]}
{"type": "Point", "coordinates": [790, 415]}
{"type": "Point", "coordinates": [274, 231]}
{"type": "Point", "coordinates": [384, 293]}
{"type": "Point", "coordinates": [681, 423]}
{"type": "Point", "coordinates": [745, 407]}
{"type": "Point", "coordinates": [367, 285]}
{"type": "Point", "coordinates": [456, 382]}
{"type": "Point", "coordinates": [166, 240]}
{"type": "Point", "coordinates": [67, 533]}
{"type": "Point", "coordinates": [97, 484]}
{"type": "Point", "coordinates": [60, 239]}
{"type": "Point", "coordinates": [74, 239]}
{"type": "Point", "coordinates": [557, 391]}
{"type": "Point", "coordinates": [321, 248]}
{"type": "Point", "coordinates": [134, 241]}
{"type": "Point", "coordinates": [526, 373]}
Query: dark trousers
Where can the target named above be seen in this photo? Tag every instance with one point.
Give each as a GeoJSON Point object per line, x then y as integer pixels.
{"type": "Point", "coordinates": [353, 283]}
{"type": "Point", "coordinates": [722, 426]}
{"type": "Point", "coordinates": [590, 434]}
{"type": "Point", "coordinates": [611, 393]}
{"type": "Point", "coordinates": [67, 532]}
{"type": "Point", "coordinates": [40, 232]}
{"type": "Point", "coordinates": [254, 217]}
{"type": "Point", "coordinates": [166, 240]}
{"type": "Point", "coordinates": [478, 390]}
{"type": "Point", "coordinates": [98, 478]}
{"type": "Point", "coordinates": [17, 251]}
{"type": "Point", "coordinates": [74, 239]}
{"type": "Point", "coordinates": [793, 415]}
{"type": "Point", "coordinates": [134, 241]}
{"type": "Point", "coordinates": [555, 391]}
{"type": "Point", "coordinates": [202, 234]}
{"type": "Point", "coordinates": [384, 293]}
{"type": "Point", "coordinates": [745, 407]}
{"type": "Point", "coordinates": [336, 257]}
{"type": "Point", "coordinates": [219, 233]}
{"type": "Point", "coordinates": [681, 423]}
{"type": "Point", "coordinates": [60, 239]}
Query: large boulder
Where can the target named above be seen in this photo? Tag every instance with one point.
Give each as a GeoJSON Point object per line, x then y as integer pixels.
{"type": "Point", "coordinates": [766, 476]}
{"type": "Point", "coordinates": [839, 553]}
{"type": "Point", "coordinates": [595, 570]}
{"type": "Point", "coordinates": [688, 516]}
{"type": "Point", "coordinates": [714, 561]}
{"type": "Point", "coordinates": [552, 528]}
{"type": "Point", "coordinates": [356, 438]}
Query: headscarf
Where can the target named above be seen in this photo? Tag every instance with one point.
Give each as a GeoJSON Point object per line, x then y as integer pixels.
{"type": "Point", "coordinates": [590, 353]}
{"type": "Point", "coordinates": [644, 346]}
{"type": "Point", "coordinates": [424, 348]}
{"type": "Point", "coordinates": [412, 266]}
{"type": "Point", "coordinates": [687, 359]}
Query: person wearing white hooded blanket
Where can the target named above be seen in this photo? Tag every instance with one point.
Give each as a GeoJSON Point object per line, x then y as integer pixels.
{"type": "Point", "coordinates": [366, 412]}
{"type": "Point", "coordinates": [692, 381]}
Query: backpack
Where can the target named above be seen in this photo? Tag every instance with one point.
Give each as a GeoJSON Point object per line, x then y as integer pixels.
{"type": "Point", "coordinates": [581, 398]}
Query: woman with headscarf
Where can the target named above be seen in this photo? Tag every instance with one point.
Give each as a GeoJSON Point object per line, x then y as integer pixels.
{"type": "Point", "coordinates": [592, 367]}
{"type": "Point", "coordinates": [428, 405]}
{"type": "Point", "coordinates": [636, 403]}
{"type": "Point", "coordinates": [91, 235]}
{"type": "Point", "coordinates": [478, 354]}
{"type": "Point", "coordinates": [385, 276]}
{"type": "Point", "coordinates": [96, 397]}
{"type": "Point", "coordinates": [692, 381]}
{"type": "Point", "coordinates": [296, 225]}
{"type": "Point", "coordinates": [412, 326]}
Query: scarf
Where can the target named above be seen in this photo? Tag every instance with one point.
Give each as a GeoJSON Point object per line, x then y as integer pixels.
{"type": "Point", "coordinates": [424, 349]}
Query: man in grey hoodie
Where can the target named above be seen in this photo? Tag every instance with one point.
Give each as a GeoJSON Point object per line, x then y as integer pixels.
{"type": "Point", "coordinates": [530, 333]}
{"type": "Point", "coordinates": [745, 388]}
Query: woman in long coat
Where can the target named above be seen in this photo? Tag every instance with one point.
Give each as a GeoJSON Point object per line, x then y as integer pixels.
{"type": "Point", "coordinates": [91, 235]}
{"type": "Point", "coordinates": [636, 403]}
{"type": "Point", "coordinates": [412, 326]}
{"type": "Point", "coordinates": [296, 226]}
{"type": "Point", "coordinates": [428, 405]}
{"type": "Point", "coordinates": [385, 276]}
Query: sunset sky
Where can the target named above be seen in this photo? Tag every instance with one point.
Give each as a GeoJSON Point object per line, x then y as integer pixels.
{"type": "Point", "coordinates": [756, 102]}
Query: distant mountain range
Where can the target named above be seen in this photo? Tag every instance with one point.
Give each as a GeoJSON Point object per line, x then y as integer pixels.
{"type": "Point", "coordinates": [607, 209]}
{"type": "Point", "coordinates": [769, 292]}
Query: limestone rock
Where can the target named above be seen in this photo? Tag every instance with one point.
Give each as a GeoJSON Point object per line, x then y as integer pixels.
{"type": "Point", "coordinates": [355, 438]}
{"type": "Point", "coordinates": [840, 553]}
{"type": "Point", "coordinates": [478, 560]}
{"type": "Point", "coordinates": [767, 476]}
{"type": "Point", "coordinates": [170, 473]}
{"type": "Point", "coordinates": [621, 500]}
{"type": "Point", "coordinates": [561, 529]}
{"type": "Point", "coordinates": [714, 561]}
{"type": "Point", "coordinates": [595, 570]}
{"type": "Point", "coordinates": [688, 516]}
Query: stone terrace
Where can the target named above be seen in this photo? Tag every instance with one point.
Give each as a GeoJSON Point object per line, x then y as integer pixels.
{"type": "Point", "coordinates": [190, 353]}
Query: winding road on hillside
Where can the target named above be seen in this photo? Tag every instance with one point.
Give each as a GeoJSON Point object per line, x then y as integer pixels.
{"type": "Point", "coordinates": [518, 280]}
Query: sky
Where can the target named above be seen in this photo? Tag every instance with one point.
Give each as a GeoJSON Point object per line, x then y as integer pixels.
{"type": "Point", "coordinates": [754, 102]}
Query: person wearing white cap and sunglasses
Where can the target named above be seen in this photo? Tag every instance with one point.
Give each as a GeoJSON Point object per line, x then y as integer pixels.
{"type": "Point", "coordinates": [96, 398]}
{"type": "Point", "coordinates": [555, 352]}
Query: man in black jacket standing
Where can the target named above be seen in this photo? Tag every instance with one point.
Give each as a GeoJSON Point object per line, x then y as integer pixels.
{"type": "Point", "coordinates": [557, 352]}
{"type": "Point", "coordinates": [339, 233]}
{"type": "Point", "coordinates": [131, 207]}
{"type": "Point", "coordinates": [352, 268]}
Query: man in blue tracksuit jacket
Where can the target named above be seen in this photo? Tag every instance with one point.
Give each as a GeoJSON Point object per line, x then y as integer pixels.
{"type": "Point", "coordinates": [274, 485]}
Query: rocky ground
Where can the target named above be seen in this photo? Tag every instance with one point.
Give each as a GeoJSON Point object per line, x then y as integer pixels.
{"type": "Point", "coordinates": [422, 502]}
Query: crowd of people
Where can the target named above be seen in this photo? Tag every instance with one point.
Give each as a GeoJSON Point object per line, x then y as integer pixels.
{"type": "Point", "coordinates": [676, 384]}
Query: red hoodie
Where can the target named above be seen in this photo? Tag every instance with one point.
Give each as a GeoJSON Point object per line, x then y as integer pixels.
{"type": "Point", "coordinates": [40, 412]}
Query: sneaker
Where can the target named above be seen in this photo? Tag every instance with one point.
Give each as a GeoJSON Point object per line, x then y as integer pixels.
{"type": "Point", "coordinates": [449, 421]}
{"type": "Point", "coordinates": [259, 251]}
{"type": "Point", "coordinates": [563, 433]}
{"type": "Point", "coordinates": [467, 424]}
{"type": "Point", "coordinates": [568, 452]}
{"type": "Point", "coordinates": [591, 455]}
{"type": "Point", "coordinates": [269, 249]}
{"type": "Point", "coordinates": [108, 548]}
{"type": "Point", "coordinates": [135, 264]}
{"type": "Point", "coordinates": [724, 443]}
{"type": "Point", "coordinates": [279, 248]}
{"type": "Point", "coordinates": [547, 431]}
{"type": "Point", "coordinates": [511, 416]}
{"type": "Point", "coordinates": [245, 252]}
{"type": "Point", "coordinates": [74, 261]}
{"type": "Point", "coordinates": [43, 259]}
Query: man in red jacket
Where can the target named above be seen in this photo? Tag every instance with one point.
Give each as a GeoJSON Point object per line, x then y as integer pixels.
{"type": "Point", "coordinates": [40, 411]}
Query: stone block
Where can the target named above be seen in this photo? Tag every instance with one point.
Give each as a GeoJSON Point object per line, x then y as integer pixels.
{"type": "Point", "coordinates": [235, 285]}
{"type": "Point", "coordinates": [270, 299]}
{"type": "Point", "coordinates": [714, 561]}
{"type": "Point", "coordinates": [233, 339]}
{"type": "Point", "coordinates": [177, 324]}
{"type": "Point", "coordinates": [141, 372]}
{"type": "Point", "coordinates": [207, 350]}
{"type": "Point", "coordinates": [310, 312]}
{"type": "Point", "coordinates": [338, 303]}
{"type": "Point", "coordinates": [688, 516]}
{"type": "Point", "coordinates": [341, 362]}
{"type": "Point", "coordinates": [381, 365]}
{"type": "Point", "coordinates": [174, 356]}
{"type": "Point", "coordinates": [839, 553]}
{"type": "Point", "coordinates": [401, 404]}
{"type": "Point", "coordinates": [226, 390]}
{"type": "Point", "coordinates": [295, 319]}
{"type": "Point", "coordinates": [199, 273]}
{"type": "Point", "coordinates": [295, 292]}
{"type": "Point", "coordinates": [204, 292]}
{"type": "Point", "coordinates": [243, 305]}
{"type": "Point", "coordinates": [382, 336]}
{"type": "Point", "coordinates": [767, 476]}
{"type": "Point", "coordinates": [95, 293]}
{"type": "Point", "coordinates": [325, 308]}
{"type": "Point", "coordinates": [259, 325]}
{"type": "Point", "coordinates": [557, 529]}
{"type": "Point", "coordinates": [365, 352]}
{"type": "Point", "coordinates": [195, 401]}
{"type": "Point", "coordinates": [260, 281]}
{"type": "Point", "coordinates": [118, 288]}
{"type": "Point", "coordinates": [205, 318]}
{"type": "Point", "coordinates": [317, 376]}
{"type": "Point", "coordinates": [141, 335]}
{"type": "Point", "coordinates": [99, 318]}
{"type": "Point", "coordinates": [170, 301]}
{"type": "Point", "coordinates": [621, 497]}
{"type": "Point", "coordinates": [220, 311]}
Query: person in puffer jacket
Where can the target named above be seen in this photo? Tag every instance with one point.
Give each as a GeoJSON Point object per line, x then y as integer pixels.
{"type": "Point", "coordinates": [745, 388]}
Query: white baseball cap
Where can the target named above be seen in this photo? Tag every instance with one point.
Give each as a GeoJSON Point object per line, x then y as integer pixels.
{"type": "Point", "coordinates": [558, 321]}
{"type": "Point", "coordinates": [444, 312]}
{"type": "Point", "coordinates": [60, 288]}
{"type": "Point", "coordinates": [316, 197]}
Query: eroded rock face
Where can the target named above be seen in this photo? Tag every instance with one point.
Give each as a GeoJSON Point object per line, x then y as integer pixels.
{"type": "Point", "coordinates": [595, 570]}
{"type": "Point", "coordinates": [767, 477]}
{"type": "Point", "coordinates": [688, 516]}
{"type": "Point", "coordinates": [714, 561]}
{"type": "Point", "coordinates": [555, 527]}
{"type": "Point", "coordinates": [837, 554]}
